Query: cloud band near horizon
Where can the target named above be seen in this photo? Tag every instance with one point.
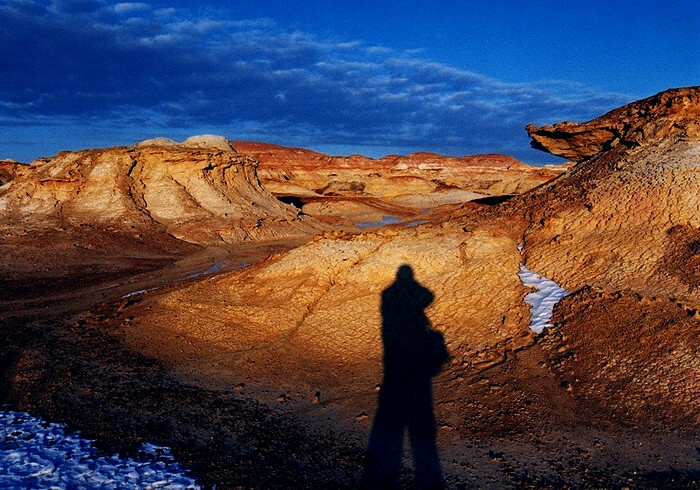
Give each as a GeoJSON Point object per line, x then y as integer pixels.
{"type": "Point", "coordinates": [122, 72]}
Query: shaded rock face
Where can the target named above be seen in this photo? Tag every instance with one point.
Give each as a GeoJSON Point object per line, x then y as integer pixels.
{"type": "Point", "coordinates": [9, 169]}
{"type": "Point", "coordinates": [200, 191]}
{"type": "Point", "coordinates": [296, 171]}
{"type": "Point", "coordinates": [634, 355]}
{"type": "Point", "coordinates": [671, 114]}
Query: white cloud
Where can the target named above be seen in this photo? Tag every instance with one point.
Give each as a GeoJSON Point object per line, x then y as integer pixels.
{"type": "Point", "coordinates": [130, 7]}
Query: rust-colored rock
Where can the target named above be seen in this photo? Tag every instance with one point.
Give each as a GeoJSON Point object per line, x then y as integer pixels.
{"type": "Point", "coordinates": [296, 171]}
{"type": "Point", "coordinates": [670, 114]}
{"type": "Point", "coordinates": [9, 169]}
{"type": "Point", "coordinates": [635, 356]}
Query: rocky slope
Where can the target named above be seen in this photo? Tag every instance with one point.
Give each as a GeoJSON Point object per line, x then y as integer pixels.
{"type": "Point", "coordinates": [319, 325]}
{"type": "Point", "coordinates": [627, 221]}
{"type": "Point", "coordinates": [628, 218]}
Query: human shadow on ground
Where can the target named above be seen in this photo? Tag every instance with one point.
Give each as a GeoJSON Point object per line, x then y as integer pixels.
{"type": "Point", "coordinates": [413, 354]}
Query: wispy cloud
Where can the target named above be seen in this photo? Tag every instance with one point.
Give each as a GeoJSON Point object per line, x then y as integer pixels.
{"type": "Point", "coordinates": [130, 7]}
{"type": "Point", "coordinates": [119, 65]}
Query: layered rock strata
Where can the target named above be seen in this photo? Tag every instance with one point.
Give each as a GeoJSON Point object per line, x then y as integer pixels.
{"type": "Point", "coordinates": [200, 191]}
{"type": "Point", "coordinates": [295, 171]}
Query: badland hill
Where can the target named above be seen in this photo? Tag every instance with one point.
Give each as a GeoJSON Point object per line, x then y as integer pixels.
{"type": "Point", "coordinates": [304, 172]}
{"type": "Point", "coordinates": [111, 213]}
{"type": "Point", "coordinates": [269, 375]}
{"type": "Point", "coordinates": [356, 189]}
{"type": "Point", "coordinates": [200, 191]}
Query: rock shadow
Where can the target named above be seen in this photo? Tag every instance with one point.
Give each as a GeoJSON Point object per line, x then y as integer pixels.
{"type": "Point", "coordinates": [413, 354]}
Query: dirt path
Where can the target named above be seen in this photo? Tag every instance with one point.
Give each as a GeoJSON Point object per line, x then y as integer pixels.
{"type": "Point", "coordinates": [161, 271]}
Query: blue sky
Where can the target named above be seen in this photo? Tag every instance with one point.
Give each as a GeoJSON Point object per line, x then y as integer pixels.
{"type": "Point", "coordinates": [371, 77]}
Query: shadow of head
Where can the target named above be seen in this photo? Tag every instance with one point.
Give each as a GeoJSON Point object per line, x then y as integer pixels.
{"type": "Point", "coordinates": [404, 273]}
{"type": "Point", "coordinates": [412, 348]}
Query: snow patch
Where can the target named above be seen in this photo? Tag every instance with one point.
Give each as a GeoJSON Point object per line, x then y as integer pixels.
{"type": "Point", "coordinates": [139, 292]}
{"type": "Point", "coordinates": [38, 454]}
{"type": "Point", "coordinates": [542, 301]}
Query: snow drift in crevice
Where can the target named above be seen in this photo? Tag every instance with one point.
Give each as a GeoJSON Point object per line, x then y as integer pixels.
{"type": "Point", "coordinates": [38, 454]}
{"type": "Point", "coordinates": [542, 301]}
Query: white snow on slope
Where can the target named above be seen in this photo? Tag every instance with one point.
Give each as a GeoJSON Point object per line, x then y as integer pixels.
{"type": "Point", "coordinates": [38, 454]}
{"type": "Point", "coordinates": [542, 301]}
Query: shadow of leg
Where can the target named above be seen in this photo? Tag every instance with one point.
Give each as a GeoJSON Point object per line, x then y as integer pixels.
{"type": "Point", "coordinates": [385, 448]}
{"type": "Point", "coordinates": [421, 432]}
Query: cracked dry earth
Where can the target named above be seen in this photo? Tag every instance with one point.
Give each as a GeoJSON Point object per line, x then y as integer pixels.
{"type": "Point", "coordinates": [268, 376]}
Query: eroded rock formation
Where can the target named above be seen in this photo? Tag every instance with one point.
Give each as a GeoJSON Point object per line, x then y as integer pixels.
{"type": "Point", "coordinates": [99, 216]}
{"type": "Point", "coordinates": [630, 217]}
{"type": "Point", "coordinates": [624, 223]}
{"type": "Point", "coordinates": [8, 170]}
{"type": "Point", "coordinates": [605, 398]}
{"type": "Point", "coordinates": [672, 114]}
{"type": "Point", "coordinates": [200, 191]}
{"type": "Point", "coordinates": [296, 171]}
{"type": "Point", "coordinates": [627, 221]}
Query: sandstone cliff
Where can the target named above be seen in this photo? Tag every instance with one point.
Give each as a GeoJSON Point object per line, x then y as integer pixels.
{"type": "Point", "coordinates": [200, 191]}
{"type": "Point", "coordinates": [673, 114]}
